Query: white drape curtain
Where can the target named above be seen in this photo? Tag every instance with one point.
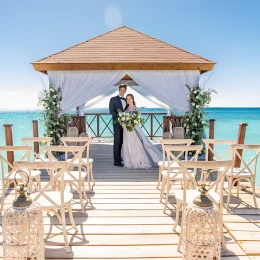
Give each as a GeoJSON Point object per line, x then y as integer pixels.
{"type": "Point", "coordinates": [168, 86]}
{"type": "Point", "coordinates": [165, 88]}
{"type": "Point", "coordinates": [79, 87]}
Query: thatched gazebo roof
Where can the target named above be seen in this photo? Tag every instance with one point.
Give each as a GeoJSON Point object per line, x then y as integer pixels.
{"type": "Point", "coordinates": [123, 49]}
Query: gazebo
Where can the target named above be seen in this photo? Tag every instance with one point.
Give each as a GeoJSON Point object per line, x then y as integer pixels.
{"type": "Point", "coordinates": [89, 71]}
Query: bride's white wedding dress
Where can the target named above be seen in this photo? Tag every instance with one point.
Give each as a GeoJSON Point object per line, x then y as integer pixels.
{"type": "Point", "coordinates": [138, 151]}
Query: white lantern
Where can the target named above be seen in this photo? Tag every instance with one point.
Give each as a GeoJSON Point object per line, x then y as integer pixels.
{"type": "Point", "coordinates": [201, 229]}
{"type": "Point", "coordinates": [23, 235]}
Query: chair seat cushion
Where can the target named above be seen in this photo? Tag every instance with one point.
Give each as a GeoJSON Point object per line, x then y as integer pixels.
{"type": "Point", "coordinates": [54, 195]}
{"type": "Point", "coordinates": [34, 173]}
{"type": "Point", "coordinates": [192, 194]}
{"type": "Point", "coordinates": [172, 164]}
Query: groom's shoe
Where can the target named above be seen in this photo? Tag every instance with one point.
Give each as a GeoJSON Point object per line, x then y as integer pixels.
{"type": "Point", "coordinates": [119, 164]}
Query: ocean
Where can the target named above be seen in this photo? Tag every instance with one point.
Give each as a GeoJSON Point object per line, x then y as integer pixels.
{"type": "Point", "coordinates": [226, 124]}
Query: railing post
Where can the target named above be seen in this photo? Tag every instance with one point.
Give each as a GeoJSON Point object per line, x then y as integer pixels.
{"type": "Point", "coordinates": [35, 134]}
{"type": "Point", "coordinates": [240, 140]}
{"type": "Point", "coordinates": [211, 136]}
{"type": "Point", "coordinates": [165, 123]}
{"type": "Point", "coordinates": [97, 125]}
{"type": "Point", "coordinates": [9, 142]}
{"type": "Point", "coordinates": [151, 127]}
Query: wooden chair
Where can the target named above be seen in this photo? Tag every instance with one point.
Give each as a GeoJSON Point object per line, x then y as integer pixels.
{"type": "Point", "coordinates": [173, 174]}
{"type": "Point", "coordinates": [86, 162]}
{"type": "Point", "coordinates": [163, 164]}
{"type": "Point", "coordinates": [43, 142]}
{"type": "Point", "coordinates": [221, 150]}
{"type": "Point", "coordinates": [223, 145]}
{"type": "Point", "coordinates": [54, 201]}
{"type": "Point", "coordinates": [186, 196]}
{"type": "Point", "coordinates": [72, 176]}
{"type": "Point", "coordinates": [246, 172]}
{"type": "Point", "coordinates": [8, 169]}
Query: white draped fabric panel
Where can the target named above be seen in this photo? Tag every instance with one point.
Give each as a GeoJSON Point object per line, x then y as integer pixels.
{"type": "Point", "coordinates": [168, 86]}
{"type": "Point", "coordinates": [142, 91]}
{"type": "Point", "coordinates": [79, 87]}
{"type": "Point", "coordinates": [164, 88]}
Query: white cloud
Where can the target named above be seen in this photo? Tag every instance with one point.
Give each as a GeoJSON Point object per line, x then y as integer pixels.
{"type": "Point", "coordinates": [113, 17]}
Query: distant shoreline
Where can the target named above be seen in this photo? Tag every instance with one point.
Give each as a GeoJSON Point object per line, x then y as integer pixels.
{"type": "Point", "coordinates": [103, 108]}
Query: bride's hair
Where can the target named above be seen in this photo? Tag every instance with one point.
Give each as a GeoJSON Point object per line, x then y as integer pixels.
{"type": "Point", "coordinates": [132, 96]}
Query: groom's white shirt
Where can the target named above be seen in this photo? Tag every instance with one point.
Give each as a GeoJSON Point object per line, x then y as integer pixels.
{"type": "Point", "coordinates": [123, 103]}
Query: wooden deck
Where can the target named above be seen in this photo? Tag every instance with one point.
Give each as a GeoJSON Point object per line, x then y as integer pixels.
{"type": "Point", "coordinates": [125, 220]}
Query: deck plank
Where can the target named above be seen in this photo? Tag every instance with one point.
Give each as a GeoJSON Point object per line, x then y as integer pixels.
{"type": "Point", "coordinates": [126, 219]}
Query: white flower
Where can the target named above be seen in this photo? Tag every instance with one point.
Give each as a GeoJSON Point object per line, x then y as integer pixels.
{"type": "Point", "coordinates": [123, 118]}
{"type": "Point", "coordinates": [193, 104]}
{"type": "Point", "coordinates": [198, 116]}
{"type": "Point", "coordinates": [135, 121]}
{"type": "Point", "coordinates": [53, 103]}
{"type": "Point", "coordinates": [194, 91]}
{"type": "Point", "coordinates": [187, 119]}
{"type": "Point", "coordinates": [184, 125]}
{"type": "Point", "coordinates": [54, 96]}
{"type": "Point", "coordinates": [51, 132]}
{"type": "Point", "coordinates": [197, 106]}
{"type": "Point", "coordinates": [203, 122]}
{"type": "Point", "coordinates": [195, 124]}
{"type": "Point", "coordinates": [197, 97]}
{"type": "Point", "coordinates": [58, 105]}
{"type": "Point", "coordinates": [57, 123]}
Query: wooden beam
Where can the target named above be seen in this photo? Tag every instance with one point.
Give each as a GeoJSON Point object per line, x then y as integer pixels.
{"type": "Point", "coordinates": [126, 77]}
{"type": "Point", "coordinates": [44, 67]}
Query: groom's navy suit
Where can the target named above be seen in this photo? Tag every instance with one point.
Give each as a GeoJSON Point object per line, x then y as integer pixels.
{"type": "Point", "coordinates": [115, 104]}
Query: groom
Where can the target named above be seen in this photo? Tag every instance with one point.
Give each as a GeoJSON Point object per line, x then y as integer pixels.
{"type": "Point", "coordinates": [118, 102]}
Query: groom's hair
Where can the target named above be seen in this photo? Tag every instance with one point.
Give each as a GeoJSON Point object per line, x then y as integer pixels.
{"type": "Point", "coordinates": [123, 86]}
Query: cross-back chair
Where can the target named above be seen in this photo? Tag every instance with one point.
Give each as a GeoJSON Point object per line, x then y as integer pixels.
{"type": "Point", "coordinates": [86, 162]}
{"type": "Point", "coordinates": [42, 142]}
{"type": "Point", "coordinates": [163, 164]}
{"type": "Point", "coordinates": [221, 150]}
{"type": "Point", "coordinates": [173, 174]}
{"type": "Point", "coordinates": [8, 169]}
{"type": "Point", "coordinates": [75, 173]}
{"type": "Point", "coordinates": [246, 171]}
{"type": "Point", "coordinates": [187, 195]}
{"type": "Point", "coordinates": [55, 201]}
{"type": "Point", "coordinates": [224, 147]}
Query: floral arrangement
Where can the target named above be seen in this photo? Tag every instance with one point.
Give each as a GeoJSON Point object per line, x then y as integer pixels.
{"type": "Point", "coordinates": [129, 120]}
{"type": "Point", "coordinates": [54, 122]}
{"type": "Point", "coordinates": [193, 120]}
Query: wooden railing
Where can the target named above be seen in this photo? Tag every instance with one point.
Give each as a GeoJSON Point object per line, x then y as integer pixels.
{"type": "Point", "coordinates": [101, 124]}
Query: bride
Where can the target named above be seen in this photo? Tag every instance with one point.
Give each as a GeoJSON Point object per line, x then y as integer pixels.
{"type": "Point", "coordinates": [138, 151]}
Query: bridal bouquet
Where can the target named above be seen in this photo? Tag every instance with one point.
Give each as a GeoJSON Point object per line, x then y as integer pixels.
{"type": "Point", "coordinates": [129, 120]}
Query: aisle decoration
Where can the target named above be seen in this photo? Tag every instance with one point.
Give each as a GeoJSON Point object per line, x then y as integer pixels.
{"type": "Point", "coordinates": [55, 123]}
{"type": "Point", "coordinates": [194, 121]}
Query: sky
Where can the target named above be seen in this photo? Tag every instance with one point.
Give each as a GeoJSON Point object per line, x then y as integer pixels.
{"type": "Point", "coordinates": [225, 31]}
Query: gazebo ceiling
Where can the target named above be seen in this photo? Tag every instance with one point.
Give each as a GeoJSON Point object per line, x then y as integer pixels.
{"type": "Point", "coordinates": [123, 49]}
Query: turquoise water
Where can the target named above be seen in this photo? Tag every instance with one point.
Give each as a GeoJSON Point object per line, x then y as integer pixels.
{"type": "Point", "coordinates": [226, 124]}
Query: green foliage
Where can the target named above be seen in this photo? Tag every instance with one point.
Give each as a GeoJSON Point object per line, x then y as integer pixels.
{"type": "Point", "coordinates": [55, 123]}
{"type": "Point", "coordinates": [193, 120]}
